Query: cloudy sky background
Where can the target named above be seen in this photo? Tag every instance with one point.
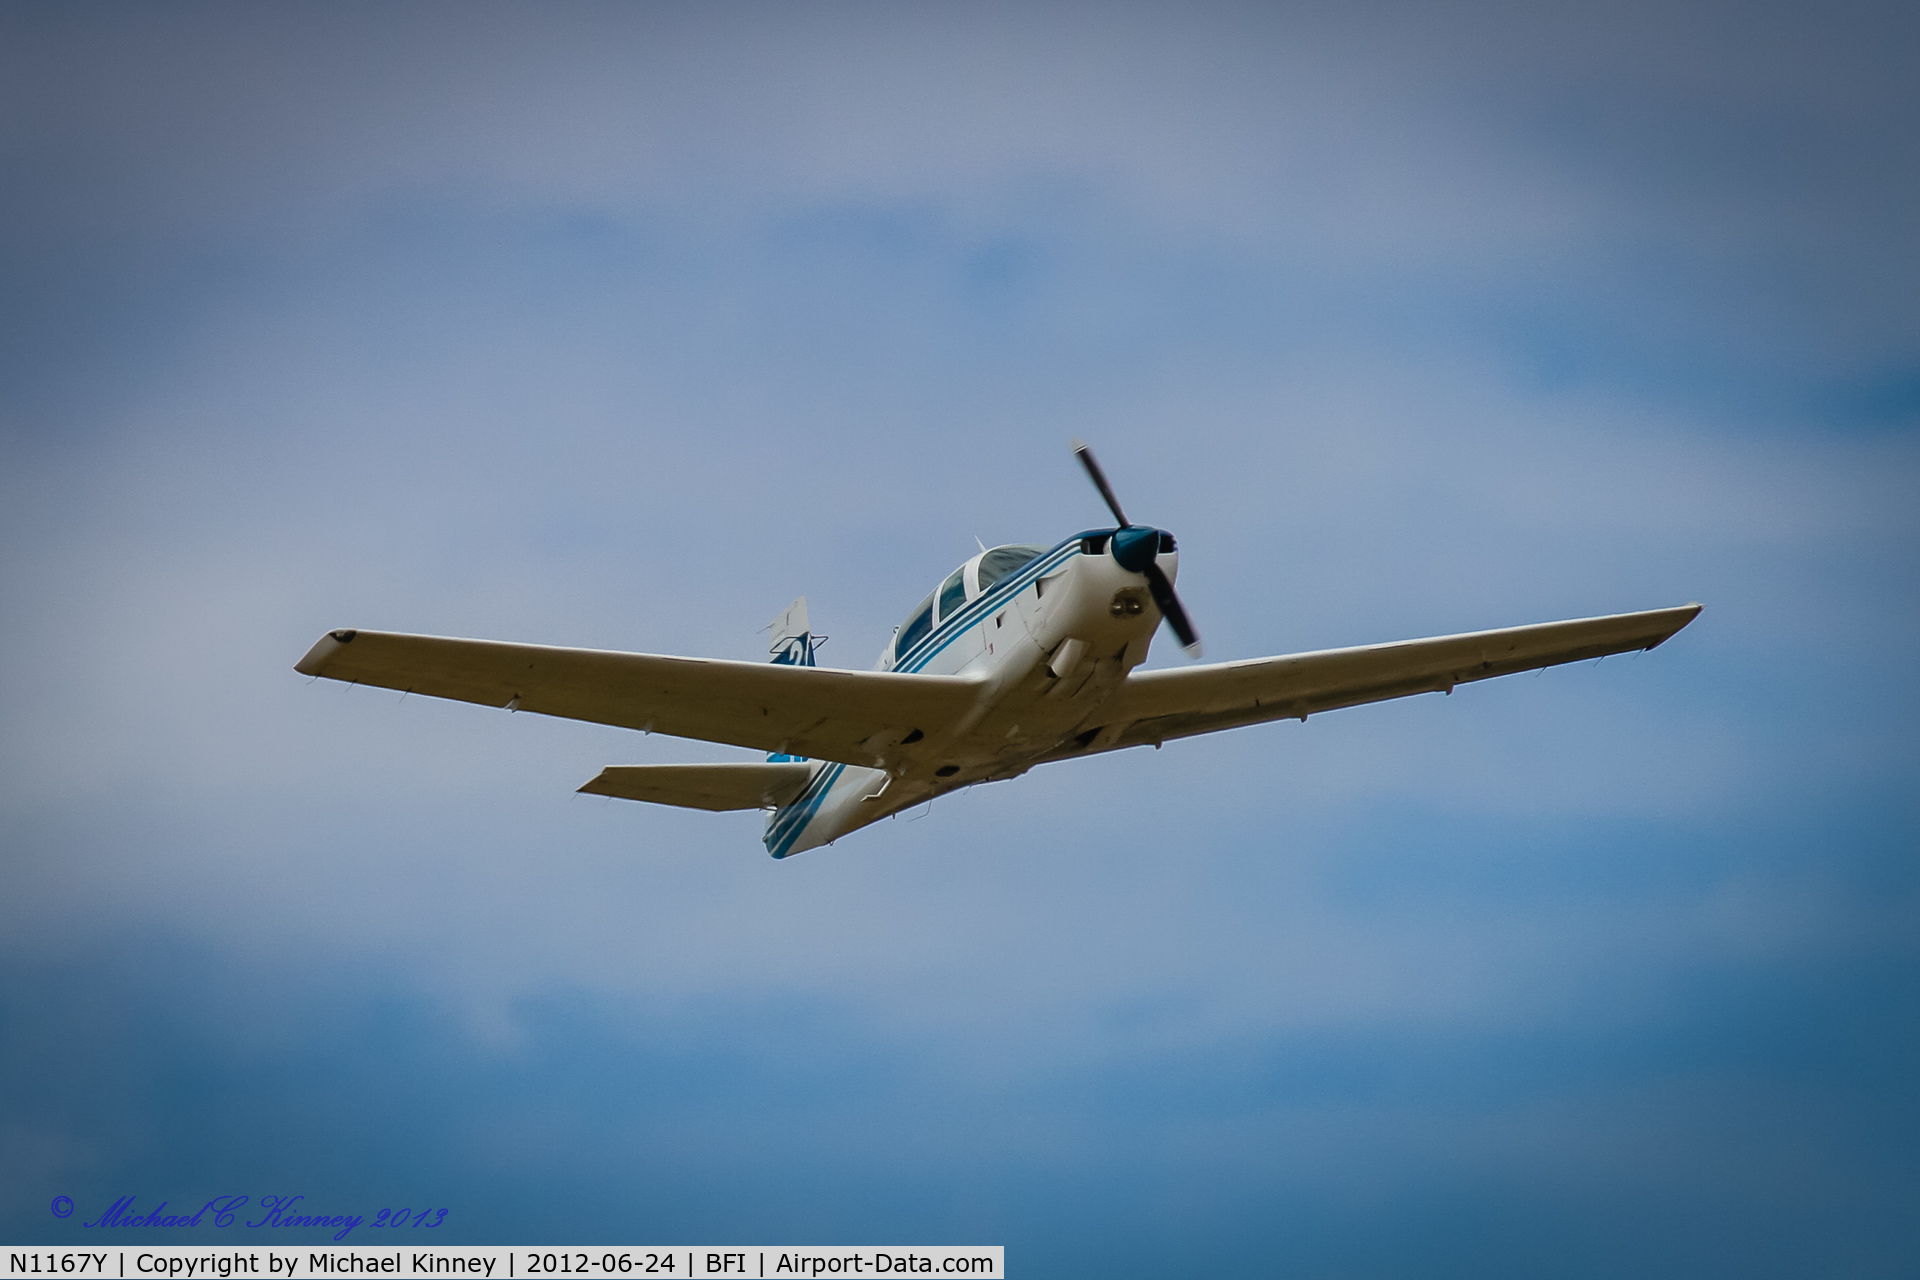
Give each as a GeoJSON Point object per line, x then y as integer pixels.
{"type": "Point", "coordinates": [621, 326]}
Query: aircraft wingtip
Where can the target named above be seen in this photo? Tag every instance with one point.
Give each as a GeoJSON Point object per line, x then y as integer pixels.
{"type": "Point", "coordinates": [315, 661]}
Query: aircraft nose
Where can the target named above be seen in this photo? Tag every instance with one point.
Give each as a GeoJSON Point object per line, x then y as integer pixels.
{"type": "Point", "coordinates": [1135, 547]}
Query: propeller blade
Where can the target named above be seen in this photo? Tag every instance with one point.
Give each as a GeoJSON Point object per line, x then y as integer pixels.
{"type": "Point", "coordinates": [1172, 610]}
{"type": "Point", "coordinates": [1099, 478]}
{"type": "Point", "coordinates": [1130, 549]}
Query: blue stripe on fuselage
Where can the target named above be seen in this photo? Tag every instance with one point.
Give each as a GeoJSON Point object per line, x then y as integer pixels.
{"type": "Point", "coordinates": [790, 821]}
{"type": "Point", "coordinates": [1003, 592]}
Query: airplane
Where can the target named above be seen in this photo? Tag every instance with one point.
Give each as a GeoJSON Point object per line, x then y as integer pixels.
{"type": "Point", "coordinates": [1024, 655]}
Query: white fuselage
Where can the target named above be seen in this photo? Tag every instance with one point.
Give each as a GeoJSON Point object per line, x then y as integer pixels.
{"type": "Point", "coordinates": [1047, 644]}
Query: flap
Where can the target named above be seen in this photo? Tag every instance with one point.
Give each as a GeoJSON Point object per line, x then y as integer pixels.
{"type": "Point", "coordinates": [704, 786]}
{"type": "Point", "coordinates": [795, 710]}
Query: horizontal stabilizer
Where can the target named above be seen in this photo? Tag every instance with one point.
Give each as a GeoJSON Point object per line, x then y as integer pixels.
{"type": "Point", "coordinates": [704, 786]}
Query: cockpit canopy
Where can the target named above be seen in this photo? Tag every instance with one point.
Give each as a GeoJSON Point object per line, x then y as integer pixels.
{"type": "Point", "coordinates": [970, 581]}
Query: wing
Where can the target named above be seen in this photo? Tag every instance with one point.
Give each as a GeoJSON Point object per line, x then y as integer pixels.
{"type": "Point", "coordinates": [849, 716]}
{"type": "Point", "coordinates": [1156, 706]}
{"type": "Point", "coordinates": [705, 786]}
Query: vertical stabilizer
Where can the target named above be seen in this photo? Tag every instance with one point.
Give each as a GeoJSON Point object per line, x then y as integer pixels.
{"type": "Point", "coordinates": [791, 646]}
{"type": "Point", "coordinates": [792, 643]}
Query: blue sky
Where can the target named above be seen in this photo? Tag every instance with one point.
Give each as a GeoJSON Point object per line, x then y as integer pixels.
{"type": "Point", "coordinates": [621, 326]}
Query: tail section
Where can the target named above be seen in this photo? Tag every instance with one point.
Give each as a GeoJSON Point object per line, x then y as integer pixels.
{"type": "Point", "coordinates": [793, 641]}
{"type": "Point", "coordinates": [792, 644]}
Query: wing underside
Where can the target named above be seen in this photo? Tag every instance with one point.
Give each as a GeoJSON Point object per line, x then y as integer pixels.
{"type": "Point", "coordinates": [847, 716]}
{"type": "Point", "coordinates": [1158, 706]}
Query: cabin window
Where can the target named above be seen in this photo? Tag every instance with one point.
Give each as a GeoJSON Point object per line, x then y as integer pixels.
{"type": "Point", "coordinates": [914, 630]}
{"type": "Point", "coordinates": [953, 593]}
{"type": "Point", "coordinates": [1001, 561]}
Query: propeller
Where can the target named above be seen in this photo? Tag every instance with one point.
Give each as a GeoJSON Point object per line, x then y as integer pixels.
{"type": "Point", "coordinates": [1135, 547]}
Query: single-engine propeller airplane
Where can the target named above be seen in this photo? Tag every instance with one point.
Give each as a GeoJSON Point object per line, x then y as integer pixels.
{"type": "Point", "coordinates": [1024, 655]}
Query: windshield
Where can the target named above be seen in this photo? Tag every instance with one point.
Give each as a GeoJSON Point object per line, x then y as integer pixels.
{"type": "Point", "coordinates": [1001, 561]}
